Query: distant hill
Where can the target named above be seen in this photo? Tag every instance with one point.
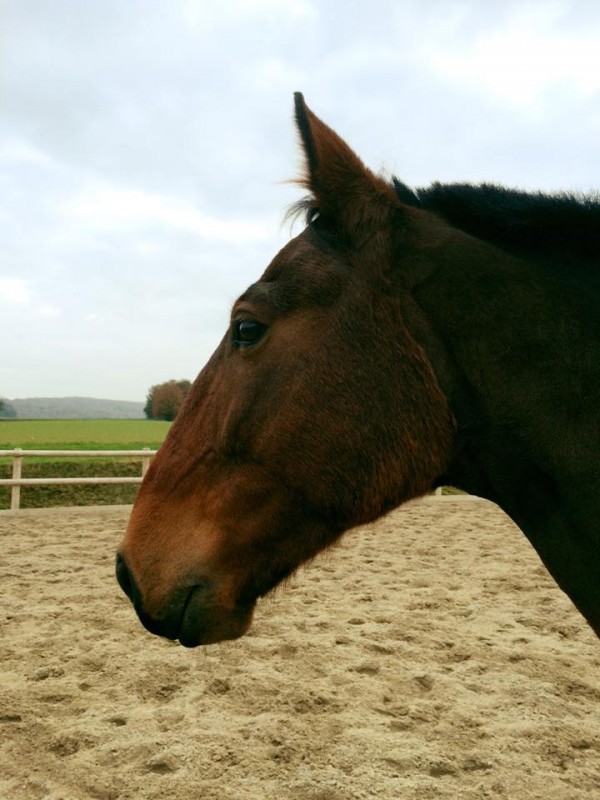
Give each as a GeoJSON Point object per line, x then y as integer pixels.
{"type": "Point", "coordinates": [76, 408]}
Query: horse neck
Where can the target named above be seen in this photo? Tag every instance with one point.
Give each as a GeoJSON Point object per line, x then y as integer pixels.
{"type": "Point", "coordinates": [518, 356]}
{"type": "Point", "coordinates": [516, 351]}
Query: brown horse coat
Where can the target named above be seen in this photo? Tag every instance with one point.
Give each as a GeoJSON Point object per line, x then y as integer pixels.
{"type": "Point", "coordinates": [401, 341]}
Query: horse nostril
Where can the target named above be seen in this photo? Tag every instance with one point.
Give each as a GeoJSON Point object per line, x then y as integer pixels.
{"type": "Point", "coordinates": [124, 579]}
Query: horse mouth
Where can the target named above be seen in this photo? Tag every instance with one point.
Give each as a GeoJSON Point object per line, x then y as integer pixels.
{"type": "Point", "coordinates": [202, 623]}
{"type": "Point", "coordinates": [195, 614]}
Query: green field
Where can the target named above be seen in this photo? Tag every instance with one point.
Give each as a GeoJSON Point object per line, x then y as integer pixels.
{"type": "Point", "coordinates": [81, 434]}
{"type": "Point", "coordinates": [77, 434]}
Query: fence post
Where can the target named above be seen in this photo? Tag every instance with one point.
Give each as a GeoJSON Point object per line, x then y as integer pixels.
{"type": "Point", "coordinates": [15, 491]}
{"type": "Point", "coordinates": [146, 462]}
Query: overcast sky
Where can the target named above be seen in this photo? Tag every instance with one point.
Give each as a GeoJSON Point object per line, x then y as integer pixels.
{"type": "Point", "coordinates": [143, 146]}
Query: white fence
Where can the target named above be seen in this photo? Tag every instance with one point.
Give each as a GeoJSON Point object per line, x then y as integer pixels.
{"type": "Point", "coordinates": [18, 455]}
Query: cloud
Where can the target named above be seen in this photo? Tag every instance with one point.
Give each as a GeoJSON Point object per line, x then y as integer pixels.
{"type": "Point", "coordinates": [48, 310]}
{"type": "Point", "coordinates": [199, 12]}
{"type": "Point", "coordinates": [22, 152]}
{"type": "Point", "coordinates": [273, 73]}
{"type": "Point", "coordinates": [20, 303]}
{"type": "Point", "coordinates": [14, 291]}
{"type": "Point", "coordinates": [523, 59]}
{"type": "Point", "coordinates": [109, 207]}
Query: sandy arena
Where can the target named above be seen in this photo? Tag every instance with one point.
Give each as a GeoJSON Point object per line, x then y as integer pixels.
{"type": "Point", "coordinates": [427, 656]}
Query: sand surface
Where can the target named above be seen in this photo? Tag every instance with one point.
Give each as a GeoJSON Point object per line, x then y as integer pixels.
{"type": "Point", "coordinates": [427, 656]}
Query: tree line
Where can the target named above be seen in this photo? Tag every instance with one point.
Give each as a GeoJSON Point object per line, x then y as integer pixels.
{"type": "Point", "coordinates": [164, 400]}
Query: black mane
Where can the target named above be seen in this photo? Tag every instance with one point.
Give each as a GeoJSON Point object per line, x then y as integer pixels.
{"type": "Point", "coordinates": [522, 222]}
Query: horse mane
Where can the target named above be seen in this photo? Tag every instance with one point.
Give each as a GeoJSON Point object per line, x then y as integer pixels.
{"type": "Point", "coordinates": [522, 222]}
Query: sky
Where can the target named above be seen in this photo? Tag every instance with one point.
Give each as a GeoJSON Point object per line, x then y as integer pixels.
{"type": "Point", "coordinates": [145, 146]}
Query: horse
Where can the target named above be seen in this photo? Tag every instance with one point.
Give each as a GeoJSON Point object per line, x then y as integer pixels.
{"type": "Point", "coordinates": [404, 340]}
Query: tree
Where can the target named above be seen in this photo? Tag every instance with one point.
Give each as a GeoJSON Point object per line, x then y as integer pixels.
{"type": "Point", "coordinates": [165, 399]}
{"type": "Point", "coordinates": [7, 410]}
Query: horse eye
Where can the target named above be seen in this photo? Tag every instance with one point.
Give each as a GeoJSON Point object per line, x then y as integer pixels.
{"type": "Point", "coordinates": [247, 332]}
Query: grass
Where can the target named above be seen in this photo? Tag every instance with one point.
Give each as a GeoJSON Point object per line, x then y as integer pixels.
{"type": "Point", "coordinates": [82, 434]}
{"type": "Point", "coordinates": [91, 434]}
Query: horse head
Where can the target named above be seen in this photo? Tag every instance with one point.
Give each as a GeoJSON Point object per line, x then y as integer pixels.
{"type": "Point", "coordinates": [317, 412]}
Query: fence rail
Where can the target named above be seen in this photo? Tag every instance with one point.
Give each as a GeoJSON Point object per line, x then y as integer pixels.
{"type": "Point", "coordinates": [18, 455]}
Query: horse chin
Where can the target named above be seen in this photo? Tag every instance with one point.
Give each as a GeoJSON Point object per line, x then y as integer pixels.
{"type": "Point", "coordinates": [201, 625]}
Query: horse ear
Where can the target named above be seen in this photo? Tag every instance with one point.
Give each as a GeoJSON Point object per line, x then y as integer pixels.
{"type": "Point", "coordinates": [343, 190]}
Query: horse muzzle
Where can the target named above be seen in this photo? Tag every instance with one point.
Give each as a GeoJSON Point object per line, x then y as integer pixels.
{"type": "Point", "coordinates": [191, 614]}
